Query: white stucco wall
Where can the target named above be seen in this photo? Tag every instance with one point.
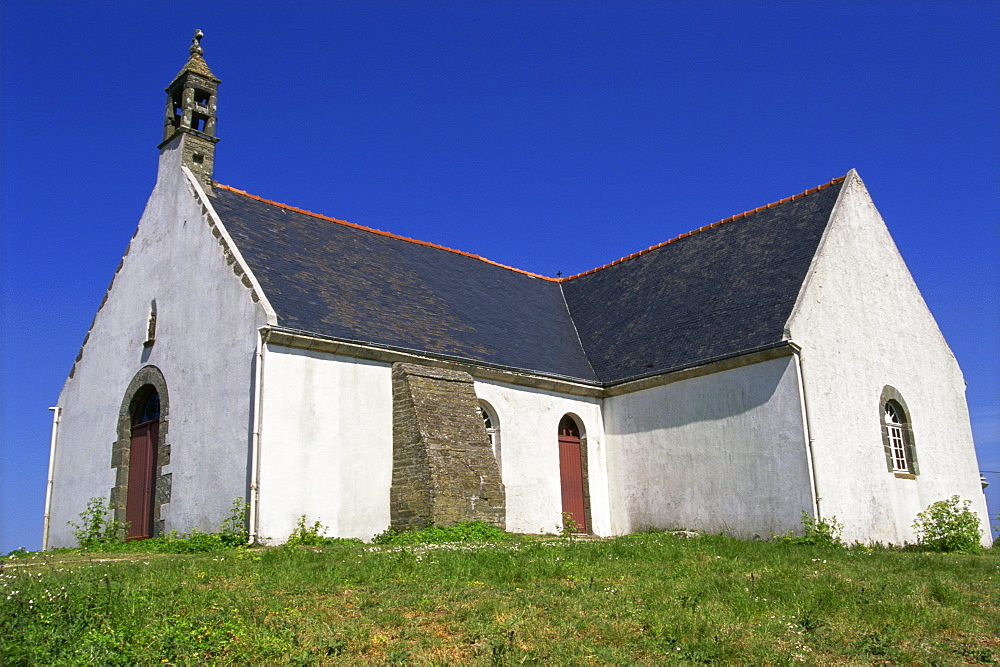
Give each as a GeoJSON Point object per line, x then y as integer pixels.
{"type": "Point", "coordinates": [863, 324]}
{"type": "Point", "coordinates": [205, 341]}
{"type": "Point", "coordinates": [326, 447]}
{"type": "Point", "coordinates": [325, 443]}
{"type": "Point", "coordinates": [724, 452]}
{"type": "Point", "coordinates": [529, 430]}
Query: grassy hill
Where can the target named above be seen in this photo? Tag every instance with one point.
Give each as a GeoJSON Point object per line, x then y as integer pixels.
{"type": "Point", "coordinates": [651, 597]}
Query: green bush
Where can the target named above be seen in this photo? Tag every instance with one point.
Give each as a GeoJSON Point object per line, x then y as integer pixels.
{"type": "Point", "coordinates": [98, 532]}
{"type": "Point", "coordinates": [949, 526]}
{"type": "Point", "coordinates": [815, 532]}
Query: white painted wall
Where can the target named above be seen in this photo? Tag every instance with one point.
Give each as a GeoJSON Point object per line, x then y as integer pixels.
{"type": "Point", "coordinates": [325, 443]}
{"type": "Point", "coordinates": [529, 430]}
{"type": "Point", "coordinates": [724, 452]}
{"type": "Point", "coordinates": [863, 324]}
{"type": "Point", "coordinates": [326, 447]}
{"type": "Point", "coordinates": [205, 341]}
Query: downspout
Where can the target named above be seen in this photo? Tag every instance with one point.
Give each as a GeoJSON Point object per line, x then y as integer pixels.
{"type": "Point", "coordinates": [258, 400]}
{"type": "Point", "coordinates": [810, 441]}
{"type": "Point", "coordinates": [56, 413]}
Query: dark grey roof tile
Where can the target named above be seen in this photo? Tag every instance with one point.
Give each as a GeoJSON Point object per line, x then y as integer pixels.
{"type": "Point", "coordinates": [337, 280]}
{"type": "Point", "coordinates": [725, 289]}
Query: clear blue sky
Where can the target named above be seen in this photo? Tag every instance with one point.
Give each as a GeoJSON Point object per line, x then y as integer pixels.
{"type": "Point", "coordinates": [550, 136]}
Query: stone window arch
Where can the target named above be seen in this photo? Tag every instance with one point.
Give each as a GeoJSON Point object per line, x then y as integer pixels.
{"type": "Point", "coordinates": [897, 434]}
{"type": "Point", "coordinates": [139, 404]}
{"type": "Point", "coordinates": [492, 424]}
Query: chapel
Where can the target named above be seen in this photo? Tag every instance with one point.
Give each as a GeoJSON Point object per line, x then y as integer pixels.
{"type": "Point", "coordinates": [776, 362]}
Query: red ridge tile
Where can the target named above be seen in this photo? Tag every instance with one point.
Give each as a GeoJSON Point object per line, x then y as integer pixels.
{"type": "Point", "coordinates": [511, 268]}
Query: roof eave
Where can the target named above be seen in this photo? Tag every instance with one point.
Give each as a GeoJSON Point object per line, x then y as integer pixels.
{"type": "Point", "coordinates": [306, 340]}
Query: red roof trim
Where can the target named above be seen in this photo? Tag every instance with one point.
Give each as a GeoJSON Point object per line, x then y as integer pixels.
{"type": "Point", "coordinates": [379, 231]}
{"type": "Point", "coordinates": [528, 273]}
{"type": "Point", "coordinates": [714, 224]}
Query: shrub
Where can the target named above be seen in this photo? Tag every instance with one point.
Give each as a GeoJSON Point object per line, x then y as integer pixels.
{"type": "Point", "coordinates": [569, 527]}
{"type": "Point", "coordinates": [949, 526]}
{"type": "Point", "coordinates": [314, 536]}
{"type": "Point", "coordinates": [303, 535]}
{"type": "Point", "coordinates": [98, 532]}
{"type": "Point", "coordinates": [816, 532]}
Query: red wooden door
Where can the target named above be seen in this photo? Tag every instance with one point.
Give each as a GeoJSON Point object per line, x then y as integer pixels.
{"type": "Point", "coordinates": [571, 474]}
{"type": "Point", "coordinates": [141, 480]}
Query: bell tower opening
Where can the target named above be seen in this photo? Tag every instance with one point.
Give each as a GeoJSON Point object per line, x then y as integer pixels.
{"type": "Point", "coordinates": [190, 114]}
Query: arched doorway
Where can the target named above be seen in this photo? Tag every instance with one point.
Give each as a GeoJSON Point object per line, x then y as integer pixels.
{"type": "Point", "coordinates": [139, 455]}
{"type": "Point", "coordinates": [572, 475]}
{"type": "Point", "coordinates": [143, 445]}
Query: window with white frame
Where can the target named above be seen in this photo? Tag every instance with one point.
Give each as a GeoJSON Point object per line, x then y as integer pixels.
{"type": "Point", "coordinates": [492, 425]}
{"type": "Point", "coordinates": [897, 438]}
{"type": "Point", "coordinates": [897, 435]}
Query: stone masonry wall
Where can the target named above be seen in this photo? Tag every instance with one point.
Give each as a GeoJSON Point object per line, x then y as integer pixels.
{"type": "Point", "coordinates": [443, 468]}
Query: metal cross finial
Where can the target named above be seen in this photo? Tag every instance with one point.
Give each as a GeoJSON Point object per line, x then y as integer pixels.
{"type": "Point", "coordinates": [196, 49]}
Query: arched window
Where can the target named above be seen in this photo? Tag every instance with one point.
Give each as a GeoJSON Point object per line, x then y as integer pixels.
{"type": "Point", "coordinates": [897, 434]}
{"type": "Point", "coordinates": [492, 425]}
{"type": "Point", "coordinates": [147, 408]}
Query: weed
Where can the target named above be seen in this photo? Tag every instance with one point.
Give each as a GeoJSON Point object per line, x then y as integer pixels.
{"type": "Point", "coordinates": [502, 648]}
{"type": "Point", "coordinates": [570, 526]}
{"type": "Point", "coordinates": [815, 532]}
{"type": "Point", "coordinates": [102, 534]}
{"type": "Point", "coordinates": [233, 532]}
{"type": "Point", "coordinates": [97, 531]}
{"type": "Point", "coordinates": [307, 536]}
{"type": "Point", "coordinates": [314, 535]}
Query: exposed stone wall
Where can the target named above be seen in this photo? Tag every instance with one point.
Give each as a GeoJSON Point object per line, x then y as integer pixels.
{"type": "Point", "coordinates": [443, 469]}
{"type": "Point", "coordinates": [199, 156]}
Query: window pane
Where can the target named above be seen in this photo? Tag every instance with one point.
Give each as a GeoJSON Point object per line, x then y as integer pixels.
{"type": "Point", "coordinates": [148, 407]}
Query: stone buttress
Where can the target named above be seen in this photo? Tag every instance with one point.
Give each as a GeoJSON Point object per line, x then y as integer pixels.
{"type": "Point", "coordinates": [444, 471]}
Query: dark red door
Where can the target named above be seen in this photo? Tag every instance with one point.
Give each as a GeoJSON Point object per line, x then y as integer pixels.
{"type": "Point", "coordinates": [142, 466]}
{"type": "Point", "coordinates": [571, 474]}
{"type": "Point", "coordinates": [141, 472]}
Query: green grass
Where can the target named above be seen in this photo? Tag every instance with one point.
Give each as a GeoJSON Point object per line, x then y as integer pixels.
{"type": "Point", "coordinates": [648, 597]}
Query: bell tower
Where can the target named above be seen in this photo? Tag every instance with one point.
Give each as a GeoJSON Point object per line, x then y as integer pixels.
{"type": "Point", "coordinates": [190, 117]}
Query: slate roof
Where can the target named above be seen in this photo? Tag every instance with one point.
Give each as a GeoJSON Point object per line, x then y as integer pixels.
{"type": "Point", "coordinates": [721, 290]}
{"type": "Point", "coordinates": [727, 288]}
{"type": "Point", "coordinates": [340, 280]}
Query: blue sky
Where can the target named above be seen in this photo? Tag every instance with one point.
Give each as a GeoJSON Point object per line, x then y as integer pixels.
{"type": "Point", "coordinates": [550, 136]}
